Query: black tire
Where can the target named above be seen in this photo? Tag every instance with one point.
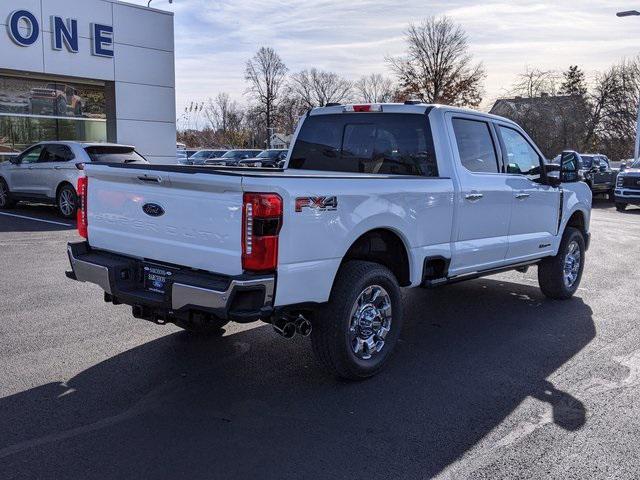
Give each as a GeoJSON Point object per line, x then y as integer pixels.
{"type": "Point", "coordinates": [551, 271]}
{"type": "Point", "coordinates": [5, 196]}
{"type": "Point", "coordinates": [330, 336]}
{"type": "Point", "coordinates": [621, 206]}
{"type": "Point", "coordinates": [208, 326]}
{"type": "Point", "coordinates": [67, 194]}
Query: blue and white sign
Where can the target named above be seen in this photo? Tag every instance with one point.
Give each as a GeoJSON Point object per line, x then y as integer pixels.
{"type": "Point", "coordinates": [64, 33]}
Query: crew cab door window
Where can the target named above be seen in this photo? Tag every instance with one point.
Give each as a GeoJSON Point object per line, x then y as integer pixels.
{"type": "Point", "coordinates": [56, 153]}
{"type": "Point", "coordinates": [520, 157]}
{"type": "Point", "coordinates": [384, 143]}
{"type": "Point", "coordinates": [475, 145]}
{"type": "Point", "coordinates": [32, 155]}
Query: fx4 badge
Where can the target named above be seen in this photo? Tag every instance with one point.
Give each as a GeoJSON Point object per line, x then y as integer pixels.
{"type": "Point", "coordinates": [322, 204]}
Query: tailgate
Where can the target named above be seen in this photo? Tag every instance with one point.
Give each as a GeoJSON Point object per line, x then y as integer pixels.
{"type": "Point", "coordinates": [186, 219]}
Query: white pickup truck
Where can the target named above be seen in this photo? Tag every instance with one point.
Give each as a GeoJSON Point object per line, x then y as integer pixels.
{"type": "Point", "coordinates": [372, 198]}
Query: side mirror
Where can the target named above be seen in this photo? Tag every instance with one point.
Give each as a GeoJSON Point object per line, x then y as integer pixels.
{"type": "Point", "coordinates": [569, 167]}
{"type": "Point", "coordinates": [623, 166]}
{"type": "Point", "coordinates": [14, 160]}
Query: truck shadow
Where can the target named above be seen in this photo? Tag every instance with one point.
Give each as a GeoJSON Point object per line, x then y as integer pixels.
{"type": "Point", "coordinates": [253, 405]}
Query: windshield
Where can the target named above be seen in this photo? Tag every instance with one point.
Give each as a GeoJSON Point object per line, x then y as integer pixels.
{"type": "Point", "coordinates": [586, 161]}
{"type": "Point", "coordinates": [636, 164]}
{"type": "Point", "coordinates": [271, 153]}
{"type": "Point", "coordinates": [111, 154]}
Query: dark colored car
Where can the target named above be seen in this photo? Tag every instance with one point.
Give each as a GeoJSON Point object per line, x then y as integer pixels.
{"type": "Point", "coordinates": [269, 158]}
{"type": "Point", "coordinates": [627, 191]}
{"type": "Point", "coordinates": [232, 157]}
{"type": "Point", "coordinates": [202, 156]}
{"type": "Point", "coordinates": [595, 170]}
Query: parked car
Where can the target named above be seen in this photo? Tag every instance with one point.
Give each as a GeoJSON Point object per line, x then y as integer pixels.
{"type": "Point", "coordinates": [627, 191]}
{"type": "Point", "coordinates": [232, 157]}
{"type": "Point", "coordinates": [269, 158]}
{"type": "Point", "coordinates": [201, 156]}
{"type": "Point", "coordinates": [56, 99]}
{"type": "Point", "coordinates": [48, 172]}
{"type": "Point", "coordinates": [373, 198]}
{"type": "Point", "coordinates": [595, 171]}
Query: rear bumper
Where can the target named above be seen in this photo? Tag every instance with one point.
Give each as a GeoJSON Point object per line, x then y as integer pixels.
{"type": "Point", "coordinates": [242, 299]}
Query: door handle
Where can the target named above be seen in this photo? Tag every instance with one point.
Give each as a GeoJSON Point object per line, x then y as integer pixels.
{"type": "Point", "coordinates": [57, 168]}
{"type": "Point", "coordinates": [522, 195]}
{"type": "Point", "coordinates": [473, 197]}
{"type": "Point", "coordinates": [30, 168]}
{"type": "Point", "coordinates": [150, 179]}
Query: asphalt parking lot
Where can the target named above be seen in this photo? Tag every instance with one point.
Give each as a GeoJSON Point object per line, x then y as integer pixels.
{"type": "Point", "coordinates": [490, 380]}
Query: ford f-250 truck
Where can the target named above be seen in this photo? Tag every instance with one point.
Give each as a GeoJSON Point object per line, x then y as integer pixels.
{"type": "Point", "coordinates": [372, 198]}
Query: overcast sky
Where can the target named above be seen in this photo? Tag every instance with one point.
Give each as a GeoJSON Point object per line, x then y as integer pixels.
{"type": "Point", "coordinates": [214, 38]}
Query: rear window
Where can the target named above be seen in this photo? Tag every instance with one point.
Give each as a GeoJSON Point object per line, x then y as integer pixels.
{"type": "Point", "coordinates": [384, 143]}
{"type": "Point", "coordinates": [111, 154]}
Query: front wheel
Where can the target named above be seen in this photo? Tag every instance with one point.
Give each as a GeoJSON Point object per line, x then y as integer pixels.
{"type": "Point", "coordinates": [354, 334]}
{"type": "Point", "coordinates": [5, 196]}
{"type": "Point", "coordinates": [621, 206]}
{"type": "Point", "coordinates": [559, 276]}
{"type": "Point", "coordinates": [67, 202]}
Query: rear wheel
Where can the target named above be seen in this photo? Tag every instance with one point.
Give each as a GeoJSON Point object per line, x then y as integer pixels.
{"type": "Point", "coordinates": [621, 206]}
{"type": "Point", "coordinates": [67, 201]}
{"type": "Point", "coordinates": [559, 276]}
{"type": "Point", "coordinates": [5, 196]}
{"type": "Point", "coordinates": [354, 334]}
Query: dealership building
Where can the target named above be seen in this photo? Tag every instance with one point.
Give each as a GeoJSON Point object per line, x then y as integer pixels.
{"type": "Point", "coordinates": [87, 70]}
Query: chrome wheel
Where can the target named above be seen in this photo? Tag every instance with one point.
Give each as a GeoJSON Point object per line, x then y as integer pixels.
{"type": "Point", "coordinates": [67, 202]}
{"type": "Point", "coordinates": [370, 322]}
{"type": "Point", "coordinates": [572, 261]}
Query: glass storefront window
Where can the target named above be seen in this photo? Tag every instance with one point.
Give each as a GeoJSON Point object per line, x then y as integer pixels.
{"type": "Point", "coordinates": [56, 99]}
{"type": "Point", "coordinates": [17, 133]}
{"type": "Point", "coordinates": [33, 110]}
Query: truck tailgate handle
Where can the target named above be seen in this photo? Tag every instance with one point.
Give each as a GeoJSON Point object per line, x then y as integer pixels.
{"type": "Point", "coordinates": [150, 179]}
{"type": "Point", "coordinates": [474, 196]}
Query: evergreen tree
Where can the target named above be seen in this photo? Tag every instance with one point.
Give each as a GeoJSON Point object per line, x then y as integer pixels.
{"type": "Point", "coordinates": [573, 82]}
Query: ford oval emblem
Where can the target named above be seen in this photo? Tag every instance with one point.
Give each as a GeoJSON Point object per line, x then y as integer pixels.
{"type": "Point", "coordinates": [153, 209]}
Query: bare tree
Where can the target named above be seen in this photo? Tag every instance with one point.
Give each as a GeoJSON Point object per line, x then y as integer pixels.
{"type": "Point", "coordinates": [438, 67]}
{"type": "Point", "coordinates": [614, 103]}
{"type": "Point", "coordinates": [316, 88]}
{"type": "Point", "coordinates": [266, 73]}
{"type": "Point", "coordinates": [534, 83]}
{"type": "Point", "coordinates": [374, 88]}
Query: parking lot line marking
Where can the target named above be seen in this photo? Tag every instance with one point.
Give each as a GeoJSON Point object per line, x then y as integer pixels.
{"type": "Point", "coordinates": [35, 219]}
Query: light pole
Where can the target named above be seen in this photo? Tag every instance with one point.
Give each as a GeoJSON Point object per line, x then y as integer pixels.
{"type": "Point", "coordinates": [636, 150]}
{"type": "Point", "coordinates": [149, 2]}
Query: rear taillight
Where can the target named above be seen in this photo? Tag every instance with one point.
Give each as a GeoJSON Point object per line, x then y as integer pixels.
{"type": "Point", "coordinates": [261, 223]}
{"type": "Point", "coordinates": [83, 224]}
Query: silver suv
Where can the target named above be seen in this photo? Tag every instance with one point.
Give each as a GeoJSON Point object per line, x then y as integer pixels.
{"type": "Point", "coordinates": [48, 172]}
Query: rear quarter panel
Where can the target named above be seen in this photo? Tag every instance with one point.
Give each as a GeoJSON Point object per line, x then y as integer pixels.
{"type": "Point", "coordinates": [313, 242]}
